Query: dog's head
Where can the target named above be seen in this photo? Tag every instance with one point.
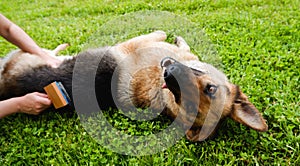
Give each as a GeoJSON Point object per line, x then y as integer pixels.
{"type": "Point", "coordinates": [205, 97]}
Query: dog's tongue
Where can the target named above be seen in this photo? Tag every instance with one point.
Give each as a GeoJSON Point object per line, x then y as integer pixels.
{"type": "Point", "coordinates": [164, 86]}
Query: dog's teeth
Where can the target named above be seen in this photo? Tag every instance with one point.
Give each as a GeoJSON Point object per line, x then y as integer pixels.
{"type": "Point", "coordinates": [164, 86]}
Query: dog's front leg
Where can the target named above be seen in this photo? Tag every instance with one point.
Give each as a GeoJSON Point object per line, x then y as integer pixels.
{"type": "Point", "coordinates": [130, 46]}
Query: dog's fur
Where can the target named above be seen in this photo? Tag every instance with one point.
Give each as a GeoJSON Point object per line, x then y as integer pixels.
{"type": "Point", "coordinates": [137, 70]}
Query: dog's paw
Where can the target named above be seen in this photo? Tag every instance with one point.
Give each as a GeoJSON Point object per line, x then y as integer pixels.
{"type": "Point", "coordinates": [158, 36]}
{"type": "Point", "coordinates": [60, 47]}
{"type": "Point", "coordinates": [181, 43]}
{"type": "Point", "coordinates": [160, 32]}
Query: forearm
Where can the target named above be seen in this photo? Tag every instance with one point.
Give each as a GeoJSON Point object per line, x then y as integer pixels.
{"type": "Point", "coordinates": [32, 103]}
{"type": "Point", "coordinates": [8, 107]}
{"type": "Point", "coordinates": [18, 37]}
{"type": "Point", "coordinates": [14, 34]}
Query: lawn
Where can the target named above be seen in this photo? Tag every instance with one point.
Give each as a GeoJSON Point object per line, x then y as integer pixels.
{"type": "Point", "coordinates": [256, 43]}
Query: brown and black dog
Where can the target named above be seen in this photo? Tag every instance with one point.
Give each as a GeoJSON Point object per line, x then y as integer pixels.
{"type": "Point", "coordinates": [145, 72]}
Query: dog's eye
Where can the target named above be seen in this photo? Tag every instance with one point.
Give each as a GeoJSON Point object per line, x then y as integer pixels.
{"type": "Point", "coordinates": [211, 89]}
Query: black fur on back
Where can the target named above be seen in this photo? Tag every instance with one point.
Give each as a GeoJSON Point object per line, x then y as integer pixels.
{"type": "Point", "coordinates": [35, 79]}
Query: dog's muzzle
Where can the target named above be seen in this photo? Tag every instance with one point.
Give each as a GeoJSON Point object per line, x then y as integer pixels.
{"type": "Point", "coordinates": [174, 73]}
{"type": "Point", "coordinates": [172, 70]}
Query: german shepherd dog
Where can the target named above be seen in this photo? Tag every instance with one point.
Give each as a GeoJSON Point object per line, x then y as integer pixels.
{"type": "Point", "coordinates": [143, 72]}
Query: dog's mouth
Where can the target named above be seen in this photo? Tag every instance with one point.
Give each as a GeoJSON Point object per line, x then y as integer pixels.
{"type": "Point", "coordinates": [178, 77]}
{"type": "Point", "coordinates": [171, 74]}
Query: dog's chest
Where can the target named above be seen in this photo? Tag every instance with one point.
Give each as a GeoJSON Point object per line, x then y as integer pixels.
{"type": "Point", "coordinates": [141, 87]}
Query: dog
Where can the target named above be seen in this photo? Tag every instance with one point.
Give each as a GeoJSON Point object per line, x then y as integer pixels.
{"type": "Point", "coordinates": [142, 72]}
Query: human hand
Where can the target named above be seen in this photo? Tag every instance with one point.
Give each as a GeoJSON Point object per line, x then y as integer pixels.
{"type": "Point", "coordinates": [33, 103]}
{"type": "Point", "coordinates": [51, 60]}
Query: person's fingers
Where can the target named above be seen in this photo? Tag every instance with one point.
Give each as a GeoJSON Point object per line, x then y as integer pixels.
{"type": "Point", "coordinates": [51, 59]}
{"type": "Point", "coordinates": [44, 100]}
{"type": "Point", "coordinates": [40, 94]}
{"type": "Point", "coordinates": [41, 99]}
{"type": "Point", "coordinates": [54, 62]}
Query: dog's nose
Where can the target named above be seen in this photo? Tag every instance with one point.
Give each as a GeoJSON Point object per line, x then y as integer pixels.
{"type": "Point", "coordinates": [170, 76]}
{"type": "Point", "coordinates": [172, 70]}
{"type": "Point", "coordinates": [165, 62]}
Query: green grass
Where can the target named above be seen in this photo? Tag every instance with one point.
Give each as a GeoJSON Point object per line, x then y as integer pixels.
{"type": "Point", "coordinates": [258, 42]}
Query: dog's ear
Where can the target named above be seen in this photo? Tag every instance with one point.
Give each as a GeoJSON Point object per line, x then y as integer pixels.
{"type": "Point", "coordinates": [245, 113]}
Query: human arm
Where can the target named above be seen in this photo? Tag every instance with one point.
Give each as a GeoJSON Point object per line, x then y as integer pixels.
{"type": "Point", "coordinates": [14, 34]}
{"type": "Point", "coordinates": [32, 103]}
